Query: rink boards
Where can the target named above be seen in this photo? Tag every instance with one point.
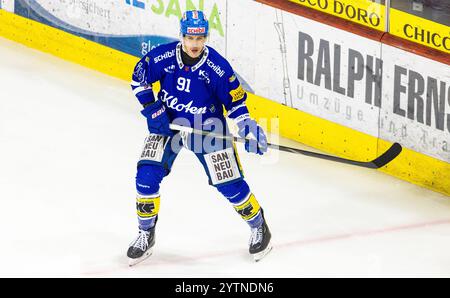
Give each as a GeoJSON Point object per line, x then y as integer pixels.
{"type": "Point", "coordinates": [331, 89]}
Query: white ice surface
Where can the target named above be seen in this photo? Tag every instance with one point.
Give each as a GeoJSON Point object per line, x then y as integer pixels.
{"type": "Point", "coordinates": [69, 142]}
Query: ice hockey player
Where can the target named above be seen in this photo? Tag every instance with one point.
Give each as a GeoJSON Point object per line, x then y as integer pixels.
{"type": "Point", "coordinates": [197, 83]}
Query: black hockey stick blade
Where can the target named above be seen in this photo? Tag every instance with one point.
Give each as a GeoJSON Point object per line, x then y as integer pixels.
{"type": "Point", "coordinates": [377, 163]}
{"type": "Point", "coordinates": [387, 156]}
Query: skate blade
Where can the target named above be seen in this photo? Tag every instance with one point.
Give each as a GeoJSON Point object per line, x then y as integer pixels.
{"type": "Point", "coordinates": [133, 262]}
{"type": "Point", "coordinates": [259, 256]}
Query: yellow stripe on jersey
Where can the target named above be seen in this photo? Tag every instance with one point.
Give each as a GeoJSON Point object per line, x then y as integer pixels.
{"type": "Point", "coordinates": [241, 169]}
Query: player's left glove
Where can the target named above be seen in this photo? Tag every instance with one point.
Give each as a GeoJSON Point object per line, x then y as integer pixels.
{"type": "Point", "coordinates": [157, 119]}
{"type": "Point", "coordinates": [256, 139]}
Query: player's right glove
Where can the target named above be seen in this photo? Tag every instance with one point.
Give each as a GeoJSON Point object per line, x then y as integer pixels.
{"type": "Point", "coordinates": [157, 119]}
{"type": "Point", "coordinates": [256, 139]}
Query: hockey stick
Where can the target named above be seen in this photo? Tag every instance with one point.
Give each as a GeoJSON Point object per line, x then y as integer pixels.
{"type": "Point", "coordinates": [377, 163]}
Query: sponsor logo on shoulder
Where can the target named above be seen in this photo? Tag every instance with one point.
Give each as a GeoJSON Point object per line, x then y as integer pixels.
{"type": "Point", "coordinates": [168, 54]}
{"type": "Point", "coordinates": [215, 68]}
{"type": "Point", "coordinates": [139, 72]}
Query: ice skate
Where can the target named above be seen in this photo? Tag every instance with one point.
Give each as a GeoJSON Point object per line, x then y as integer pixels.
{"type": "Point", "coordinates": [142, 247]}
{"type": "Point", "coordinates": [259, 244]}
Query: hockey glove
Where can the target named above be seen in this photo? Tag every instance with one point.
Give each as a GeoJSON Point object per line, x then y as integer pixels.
{"type": "Point", "coordinates": [256, 139]}
{"type": "Point", "coordinates": [157, 119]}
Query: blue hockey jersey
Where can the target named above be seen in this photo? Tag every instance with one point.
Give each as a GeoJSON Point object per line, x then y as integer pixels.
{"type": "Point", "coordinates": [194, 92]}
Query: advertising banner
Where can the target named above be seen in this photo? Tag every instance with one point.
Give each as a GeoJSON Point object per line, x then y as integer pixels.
{"type": "Point", "coordinates": [307, 65]}
{"type": "Point", "coordinates": [420, 30]}
{"type": "Point", "coordinates": [364, 12]}
{"type": "Point", "coordinates": [131, 26]}
{"type": "Point", "coordinates": [416, 103]}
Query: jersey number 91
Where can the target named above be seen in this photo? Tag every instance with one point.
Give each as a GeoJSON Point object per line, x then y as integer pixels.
{"type": "Point", "coordinates": [184, 84]}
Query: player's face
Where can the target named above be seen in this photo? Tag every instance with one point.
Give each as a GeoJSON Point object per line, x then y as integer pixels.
{"type": "Point", "coordinates": [193, 45]}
